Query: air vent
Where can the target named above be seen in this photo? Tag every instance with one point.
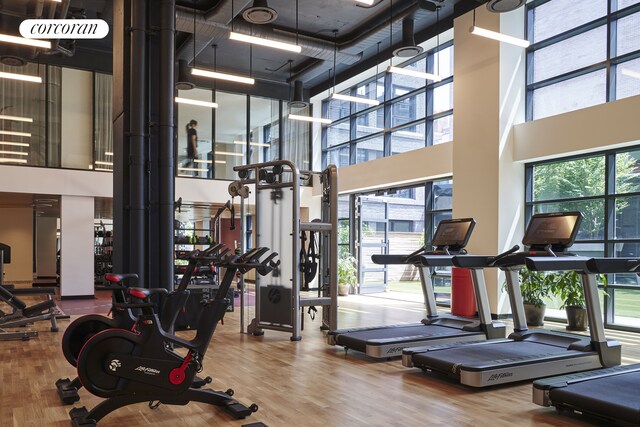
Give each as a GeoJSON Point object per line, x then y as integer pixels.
{"type": "Point", "coordinates": [182, 79]}
{"type": "Point", "coordinates": [260, 13]}
{"type": "Point", "coordinates": [502, 6]}
{"type": "Point", "coordinates": [298, 96]}
{"type": "Point", "coordinates": [13, 61]}
{"type": "Point", "coordinates": [409, 47]}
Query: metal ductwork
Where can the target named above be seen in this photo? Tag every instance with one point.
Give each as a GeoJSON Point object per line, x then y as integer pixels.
{"type": "Point", "coordinates": [182, 79]}
{"type": "Point", "coordinates": [298, 100]}
{"type": "Point", "coordinates": [409, 48]}
{"type": "Point", "coordinates": [207, 31]}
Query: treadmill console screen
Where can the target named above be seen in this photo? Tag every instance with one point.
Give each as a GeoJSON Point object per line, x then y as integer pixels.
{"type": "Point", "coordinates": [556, 229]}
{"type": "Point", "coordinates": [453, 233]}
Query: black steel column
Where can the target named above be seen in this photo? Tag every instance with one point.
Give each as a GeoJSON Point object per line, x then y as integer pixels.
{"type": "Point", "coordinates": [121, 48]}
{"type": "Point", "coordinates": [137, 146]}
{"type": "Point", "coordinates": [166, 143]}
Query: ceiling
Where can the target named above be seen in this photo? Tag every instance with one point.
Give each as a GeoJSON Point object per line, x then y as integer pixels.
{"type": "Point", "coordinates": [360, 29]}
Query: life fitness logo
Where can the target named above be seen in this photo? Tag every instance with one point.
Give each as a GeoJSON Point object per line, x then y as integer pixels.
{"type": "Point", "coordinates": [64, 29]}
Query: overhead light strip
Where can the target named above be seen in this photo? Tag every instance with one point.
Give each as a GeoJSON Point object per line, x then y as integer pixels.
{"type": "Point", "coordinates": [26, 42]}
{"type": "Point", "coordinates": [222, 76]}
{"type": "Point", "coordinates": [367, 2]}
{"type": "Point", "coordinates": [22, 77]}
{"type": "Point", "coordinates": [255, 144]}
{"type": "Point", "coordinates": [103, 169]}
{"type": "Point", "coordinates": [108, 153]}
{"type": "Point", "coordinates": [10, 160]}
{"type": "Point", "coordinates": [265, 42]}
{"type": "Point", "coordinates": [17, 153]}
{"type": "Point", "coordinates": [98, 162]}
{"type": "Point", "coordinates": [16, 118]}
{"type": "Point", "coordinates": [478, 31]}
{"type": "Point", "coordinates": [357, 99]}
{"type": "Point", "coordinates": [413, 73]}
{"type": "Point", "coordinates": [14, 144]}
{"type": "Point", "coordinates": [197, 102]}
{"type": "Point", "coordinates": [14, 133]}
{"type": "Point", "coordinates": [229, 153]}
{"type": "Point", "coordinates": [192, 169]}
{"type": "Point", "coordinates": [220, 162]}
{"type": "Point", "coordinates": [310, 119]}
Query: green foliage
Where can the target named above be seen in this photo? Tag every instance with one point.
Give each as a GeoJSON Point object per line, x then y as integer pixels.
{"type": "Point", "coordinates": [535, 286]}
{"type": "Point", "coordinates": [347, 270]}
{"type": "Point", "coordinates": [568, 285]}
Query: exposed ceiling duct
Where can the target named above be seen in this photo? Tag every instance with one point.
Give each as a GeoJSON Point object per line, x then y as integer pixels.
{"type": "Point", "coordinates": [209, 30]}
{"type": "Point", "coordinates": [409, 47]}
{"type": "Point", "coordinates": [259, 13]}
{"type": "Point", "coordinates": [298, 100]}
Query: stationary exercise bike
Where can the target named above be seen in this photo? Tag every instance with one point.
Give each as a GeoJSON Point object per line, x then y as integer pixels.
{"type": "Point", "coordinates": [124, 317]}
{"type": "Point", "coordinates": [128, 367]}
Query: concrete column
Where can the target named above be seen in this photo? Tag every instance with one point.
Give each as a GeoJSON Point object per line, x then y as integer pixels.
{"type": "Point", "coordinates": [76, 246]}
{"type": "Point", "coordinates": [46, 228]}
{"type": "Point", "coordinates": [488, 100]}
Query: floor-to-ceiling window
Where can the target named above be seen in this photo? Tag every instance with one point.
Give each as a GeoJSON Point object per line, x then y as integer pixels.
{"type": "Point", "coordinates": [605, 187]}
{"type": "Point", "coordinates": [412, 112]}
{"type": "Point", "coordinates": [583, 53]}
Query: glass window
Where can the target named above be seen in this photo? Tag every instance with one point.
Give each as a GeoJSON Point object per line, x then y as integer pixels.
{"type": "Point", "coordinates": [370, 90]}
{"type": "Point", "coordinates": [628, 172]}
{"type": "Point", "coordinates": [443, 98]}
{"type": "Point", "coordinates": [338, 157]}
{"type": "Point", "coordinates": [628, 36]}
{"type": "Point", "coordinates": [592, 226]}
{"type": "Point", "coordinates": [443, 63]}
{"type": "Point", "coordinates": [442, 193]}
{"type": "Point", "coordinates": [557, 16]}
{"type": "Point", "coordinates": [625, 3]}
{"type": "Point", "coordinates": [231, 128]}
{"type": "Point", "coordinates": [297, 138]}
{"type": "Point", "coordinates": [569, 95]}
{"type": "Point", "coordinates": [408, 109]}
{"type": "Point", "coordinates": [571, 54]}
{"type": "Point", "coordinates": [338, 109]}
{"type": "Point", "coordinates": [569, 179]}
{"type": "Point", "coordinates": [198, 161]}
{"type": "Point", "coordinates": [263, 129]}
{"type": "Point", "coordinates": [409, 138]}
{"type": "Point", "coordinates": [338, 133]}
{"type": "Point", "coordinates": [370, 149]}
{"type": "Point", "coordinates": [628, 79]}
{"type": "Point", "coordinates": [402, 84]}
{"type": "Point", "coordinates": [442, 130]}
{"type": "Point", "coordinates": [370, 122]}
{"type": "Point", "coordinates": [627, 218]}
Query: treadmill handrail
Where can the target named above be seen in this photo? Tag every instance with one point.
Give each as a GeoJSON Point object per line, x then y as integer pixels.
{"type": "Point", "coordinates": [613, 265]}
{"type": "Point", "coordinates": [481, 261]}
{"type": "Point", "coordinates": [561, 263]}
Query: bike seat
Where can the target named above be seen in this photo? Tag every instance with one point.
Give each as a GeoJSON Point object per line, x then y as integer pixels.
{"type": "Point", "coordinates": [118, 278]}
{"type": "Point", "coordinates": [144, 293]}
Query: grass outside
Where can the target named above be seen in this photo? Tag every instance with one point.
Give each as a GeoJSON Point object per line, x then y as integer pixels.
{"type": "Point", "coordinates": [627, 301]}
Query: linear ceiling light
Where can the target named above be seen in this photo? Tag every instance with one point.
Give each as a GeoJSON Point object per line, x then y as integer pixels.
{"type": "Point", "coordinates": [192, 169]}
{"type": "Point", "coordinates": [14, 144]}
{"type": "Point", "coordinates": [413, 73]}
{"type": "Point", "coordinates": [98, 162]}
{"type": "Point", "coordinates": [255, 144]}
{"type": "Point", "coordinates": [108, 153]}
{"type": "Point", "coordinates": [10, 160]}
{"type": "Point", "coordinates": [220, 162]}
{"type": "Point", "coordinates": [103, 169]}
{"type": "Point", "coordinates": [199, 103]}
{"type": "Point", "coordinates": [222, 76]}
{"type": "Point", "coordinates": [630, 73]}
{"type": "Point", "coordinates": [16, 118]}
{"type": "Point", "coordinates": [265, 42]}
{"type": "Point", "coordinates": [228, 153]}
{"type": "Point", "coordinates": [14, 133]}
{"type": "Point", "coordinates": [498, 36]}
{"type": "Point", "coordinates": [310, 119]}
{"type": "Point", "coordinates": [343, 97]}
{"type": "Point", "coordinates": [27, 42]}
{"type": "Point", "coordinates": [23, 77]}
{"type": "Point", "coordinates": [367, 2]}
{"type": "Point", "coordinates": [17, 153]}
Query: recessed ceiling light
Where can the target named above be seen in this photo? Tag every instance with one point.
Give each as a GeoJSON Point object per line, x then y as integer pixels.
{"type": "Point", "coordinates": [16, 118]}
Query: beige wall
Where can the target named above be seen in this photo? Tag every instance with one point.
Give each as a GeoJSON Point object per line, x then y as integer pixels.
{"type": "Point", "coordinates": [16, 230]}
{"type": "Point", "coordinates": [77, 118]}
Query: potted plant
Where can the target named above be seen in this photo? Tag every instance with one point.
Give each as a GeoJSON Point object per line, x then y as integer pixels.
{"type": "Point", "coordinates": [568, 286]}
{"type": "Point", "coordinates": [535, 286]}
{"type": "Point", "coordinates": [347, 274]}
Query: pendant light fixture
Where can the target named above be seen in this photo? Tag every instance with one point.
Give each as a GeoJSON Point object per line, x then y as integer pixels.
{"type": "Point", "coordinates": [22, 77]}
{"type": "Point", "coordinates": [478, 31]}
{"type": "Point", "coordinates": [215, 74]}
{"type": "Point", "coordinates": [6, 38]}
{"type": "Point", "coordinates": [260, 13]}
{"type": "Point", "coordinates": [297, 95]}
{"type": "Point", "coordinates": [349, 98]}
{"type": "Point", "coordinates": [409, 48]}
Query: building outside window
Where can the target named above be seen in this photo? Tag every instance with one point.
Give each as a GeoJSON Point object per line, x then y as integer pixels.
{"type": "Point", "coordinates": [582, 54]}
{"type": "Point", "coordinates": [413, 113]}
{"type": "Point", "coordinates": [605, 187]}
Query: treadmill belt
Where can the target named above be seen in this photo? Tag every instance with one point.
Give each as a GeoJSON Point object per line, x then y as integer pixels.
{"type": "Point", "coordinates": [614, 397]}
{"type": "Point", "coordinates": [358, 340]}
{"type": "Point", "coordinates": [484, 354]}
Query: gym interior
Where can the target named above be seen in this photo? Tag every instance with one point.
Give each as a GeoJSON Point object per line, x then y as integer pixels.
{"type": "Point", "coordinates": [252, 212]}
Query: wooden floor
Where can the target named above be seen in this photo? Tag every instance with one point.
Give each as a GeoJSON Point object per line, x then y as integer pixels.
{"type": "Point", "coordinates": [306, 383]}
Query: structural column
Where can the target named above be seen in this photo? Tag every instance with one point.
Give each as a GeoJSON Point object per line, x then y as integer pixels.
{"type": "Point", "coordinates": [488, 101]}
{"type": "Point", "coordinates": [45, 231]}
{"type": "Point", "coordinates": [76, 246]}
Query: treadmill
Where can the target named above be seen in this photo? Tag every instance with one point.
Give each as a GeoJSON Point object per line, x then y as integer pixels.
{"type": "Point", "coordinates": [525, 354]}
{"type": "Point", "coordinates": [449, 240]}
{"type": "Point", "coordinates": [609, 395]}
